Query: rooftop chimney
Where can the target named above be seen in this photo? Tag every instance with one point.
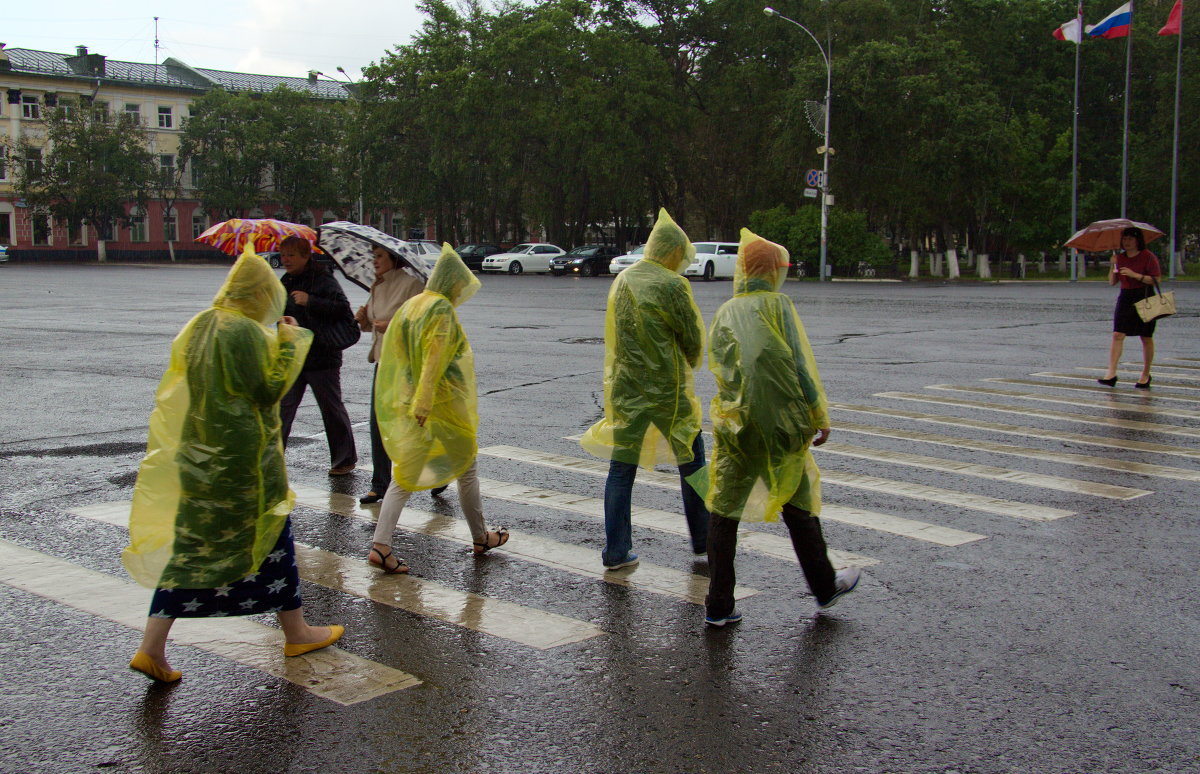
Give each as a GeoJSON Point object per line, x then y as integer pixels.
{"type": "Point", "coordinates": [83, 63]}
{"type": "Point", "coordinates": [312, 76]}
{"type": "Point", "coordinates": [81, 51]}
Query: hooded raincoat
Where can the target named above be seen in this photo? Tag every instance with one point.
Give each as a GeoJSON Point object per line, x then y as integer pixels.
{"type": "Point", "coordinates": [769, 402]}
{"type": "Point", "coordinates": [212, 495]}
{"type": "Point", "coordinates": [653, 341]}
{"type": "Point", "coordinates": [426, 368]}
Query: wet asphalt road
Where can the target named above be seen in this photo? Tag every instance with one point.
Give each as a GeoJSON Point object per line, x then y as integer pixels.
{"type": "Point", "coordinates": [1059, 645]}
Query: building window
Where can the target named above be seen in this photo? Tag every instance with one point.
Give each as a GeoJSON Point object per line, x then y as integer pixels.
{"type": "Point", "coordinates": [3, 163]}
{"type": "Point", "coordinates": [165, 118]}
{"type": "Point", "coordinates": [170, 227]}
{"type": "Point", "coordinates": [134, 111]}
{"type": "Point", "coordinates": [197, 175]}
{"type": "Point", "coordinates": [30, 107]}
{"type": "Point", "coordinates": [67, 107]}
{"type": "Point", "coordinates": [166, 169]}
{"type": "Point", "coordinates": [199, 225]}
{"type": "Point", "coordinates": [41, 231]}
{"type": "Point", "coordinates": [33, 163]}
{"type": "Point", "coordinates": [77, 235]}
{"type": "Point", "coordinates": [137, 226]}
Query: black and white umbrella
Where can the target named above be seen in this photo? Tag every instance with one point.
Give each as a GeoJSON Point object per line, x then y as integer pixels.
{"type": "Point", "coordinates": [350, 244]}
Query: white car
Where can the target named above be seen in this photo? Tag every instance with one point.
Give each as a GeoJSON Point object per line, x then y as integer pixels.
{"type": "Point", "coordinates": [429, 251]}
{"type": "Point", "coordinates": [713, 259]}
{"type": "Point", "coordinates": [531, 256]}
{"type": "Point", "coordinates": [622, 262]}
{"type": "Point", "coordinates": [3, 253]}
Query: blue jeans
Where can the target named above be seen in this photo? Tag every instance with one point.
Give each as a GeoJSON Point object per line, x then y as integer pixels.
{"type": "Point", "coordinates": [618, 503]}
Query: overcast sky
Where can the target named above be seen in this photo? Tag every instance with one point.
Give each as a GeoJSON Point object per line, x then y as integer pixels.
{"type": "Point", "coordinates": [268, 37]}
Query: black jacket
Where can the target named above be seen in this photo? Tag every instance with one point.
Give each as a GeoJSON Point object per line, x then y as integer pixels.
{"type": "Point", "coordinates": [326, 303]}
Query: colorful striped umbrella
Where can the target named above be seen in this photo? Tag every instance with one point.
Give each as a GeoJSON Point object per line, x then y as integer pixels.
{"type": "Point", "coordinates": [231, 236]}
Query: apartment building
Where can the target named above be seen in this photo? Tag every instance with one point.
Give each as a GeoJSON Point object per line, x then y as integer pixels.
{"type": "Point", "coordinates": [159, 95]}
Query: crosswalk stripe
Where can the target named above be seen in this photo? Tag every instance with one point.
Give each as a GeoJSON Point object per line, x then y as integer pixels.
{"type": "Point", "coordinates": [651, 518]}
{"type": "Point", "coordinates": [984, 471]}
{"type": "Point", "coordinates": [1029, 432]}
{"type": "Point", "coordinates": [878, 521]}
{"type": "Point", "coordinates": [1065, 416]}
{"type": "Point", "coordinates": [1138, 373]}
{"type": "Point", "coordinates": [506, 620]}
{"type": "Point", "coordinates": [1067, 458]}
{"type": "Point", "coordinates": [1116, 405]}
{"type": "Point", "coordinates": [529, 547]}
{"type": "Point", "coordinates": [1094, 388]}
{"type": "Point", "coordinates": [1162, 364]}
{"type": "Point", "coordinates": [330, 673]}
{"type": "Point", "coordinates": [1126, 374]}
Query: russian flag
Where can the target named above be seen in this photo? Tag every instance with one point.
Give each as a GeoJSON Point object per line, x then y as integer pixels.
{"type": "Point", "coordinates": [1115, 25]}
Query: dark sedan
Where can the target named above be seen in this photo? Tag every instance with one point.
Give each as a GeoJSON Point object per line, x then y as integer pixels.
{"type": "Point", "coordinates": [585, 260]}
{"type": "Point", "coordinates": [473, 254]}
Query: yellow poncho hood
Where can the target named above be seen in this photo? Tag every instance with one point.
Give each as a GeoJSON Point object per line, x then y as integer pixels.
{"type": "Point", "coordinates": [769, 401]}
{"type": "Point", "coordinates": [426, 368]}
{"type": "Point", "coordinates": [211, 496]}
{"type": "Point", "coordinates": [653, 339]}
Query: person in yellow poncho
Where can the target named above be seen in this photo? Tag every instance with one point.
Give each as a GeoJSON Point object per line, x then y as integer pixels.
{"type": "Point", "coordinates": [209, 524]}
{"type": "Point", "coordinates": [653, 341]}
{"type": "Point", "coordinates": [426, 407]}
{"type": "Point", "coordinates": [769, 408]}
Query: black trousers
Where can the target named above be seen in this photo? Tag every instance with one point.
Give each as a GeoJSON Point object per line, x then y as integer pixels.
{"type": "Point", "coordinates": [807, 540]}
{"type": "Point", "coordinates": [327, 389]}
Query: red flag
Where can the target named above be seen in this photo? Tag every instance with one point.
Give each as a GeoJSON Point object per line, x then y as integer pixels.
{"type": "Point", "coordinates": [1174, 21]}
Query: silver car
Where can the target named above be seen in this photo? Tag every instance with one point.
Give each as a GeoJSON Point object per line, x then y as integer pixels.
{"type": "Point", "coordinates": [622, 262]}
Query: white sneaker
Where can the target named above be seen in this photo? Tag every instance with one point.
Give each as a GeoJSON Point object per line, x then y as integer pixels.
{"type": "Point", "coordinates": [844, 582]}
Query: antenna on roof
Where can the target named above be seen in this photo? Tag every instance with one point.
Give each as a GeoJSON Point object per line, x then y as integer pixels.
{"type": "Point", "coordinates": [155, 48]}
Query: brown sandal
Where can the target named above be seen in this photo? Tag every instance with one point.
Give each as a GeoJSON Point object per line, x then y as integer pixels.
{"type": "Point", "coordinates": [501, 537]}
{"type": "Point", "coordinates": [399, 568]}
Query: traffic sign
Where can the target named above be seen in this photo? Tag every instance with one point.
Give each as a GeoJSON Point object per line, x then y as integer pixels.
{"type": "Point", "coordinates": [811, 193]}
{"type": "Point", "coordinates": [815, 177]}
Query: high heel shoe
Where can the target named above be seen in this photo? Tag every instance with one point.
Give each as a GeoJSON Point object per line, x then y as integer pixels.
{"type": "Point", "coordinates": [1143, 385]}
{"type": "Point", "coordinates": [1108, 382]}
{"type": "Point", "coordinates": [147, 666]}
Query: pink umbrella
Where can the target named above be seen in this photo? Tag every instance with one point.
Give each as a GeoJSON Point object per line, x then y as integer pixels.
{"type": "Point", "coordinates": [1105, 235]}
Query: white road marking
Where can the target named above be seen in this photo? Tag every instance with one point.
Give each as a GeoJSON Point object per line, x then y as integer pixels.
{"type": "Point", "coordinates": [984, 471]}
{"type": "Point", "coordinates": [330, 673]}
{"type": "Point", "coordinates": [1129, 377]}
{"type": "Point", "coordinates": [1111, 403]}
{"type": "Point", "coordinates": [531, 548]}
{"type": "Point", "coordinates": [506, 620]}
{"type": "Point", "coordinates": [1028, 432]}
{"type": "Point", "coordinates": [1067, 458]}
{"type": "Point", "coordinates": [1064, 416]}
{"type": "Point", "coordinates": [877, 521]}
{"type": "Point", "coordinates": [1093, 387]}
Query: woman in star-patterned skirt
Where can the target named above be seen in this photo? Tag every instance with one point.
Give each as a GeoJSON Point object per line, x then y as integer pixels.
{"type": "Point", "coordinates": [209, 527]}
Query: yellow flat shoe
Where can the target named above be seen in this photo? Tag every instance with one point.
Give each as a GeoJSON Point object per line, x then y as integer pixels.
{"type": "Point", "coordinates": [300, 648]}
{"type": "Point", "coordinates": [144, 664]}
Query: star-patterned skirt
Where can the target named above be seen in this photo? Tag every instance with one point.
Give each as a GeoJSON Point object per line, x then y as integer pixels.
{"type": "Point", "coordinates": [273, 589]}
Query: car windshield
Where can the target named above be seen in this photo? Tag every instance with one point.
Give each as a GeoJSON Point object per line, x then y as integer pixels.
{"type": "Point", "coordinates": [638, 250]}
{"type": "Point", "coordinates": [584, 250]}
{"type": "Point", "coordinates": [521, 249]}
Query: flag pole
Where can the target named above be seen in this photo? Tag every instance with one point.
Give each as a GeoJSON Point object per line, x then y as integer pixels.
{"type": "Point", "coordinates": [1175, 147]}
{"type": "Point", "coordinates": [1125, 139]}
{"type": "Point", "coordinates": [1075, 145]}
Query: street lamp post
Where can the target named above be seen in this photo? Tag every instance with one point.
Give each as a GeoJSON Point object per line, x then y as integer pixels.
{"type": "Point", "coordinates": [824, 187]}
{"type": "Point", "coordinates": [349, 85]}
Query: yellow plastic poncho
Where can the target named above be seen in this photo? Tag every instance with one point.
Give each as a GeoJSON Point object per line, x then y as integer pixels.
{"type": "Point", "coordinates": [769, 401]}
{"type": "Point", "coordinates": [212, 495]}
{"type": "Point", "coordinates": [653, 341]}
{"type": "Point", "coordinates": [426, 368]}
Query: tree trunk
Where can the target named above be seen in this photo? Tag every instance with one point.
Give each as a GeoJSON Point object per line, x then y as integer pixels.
{"type": "Point", "coordinates": [985, 271]}
{"type": "Point", "coordinates": [1063, 262]}
{"type": "Point", "coordinates": [101, 252]}
{"type": "Point", "coordinates": [171, 249]}
{"type": "Point", "coordinates": [952, 262]}
{"type": "Point", "coordinates": [935, 264]}
{"type": "Point", "coordinates": [1021, 265]}
{"type": "Point", "coordinates": [914, 267]}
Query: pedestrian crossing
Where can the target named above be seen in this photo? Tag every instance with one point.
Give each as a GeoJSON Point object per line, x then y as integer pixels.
{"type": "Point", "coordinates": [891, 440]}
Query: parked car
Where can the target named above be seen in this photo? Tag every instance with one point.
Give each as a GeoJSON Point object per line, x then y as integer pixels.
{"type": "Point", "coordinates": [474, 253]}
{"type": "Point", "coordinates": [585, 260]}
{"type": "Point", "coordinates": [427, 249]}
{"type": "Point", "coordinates": [3, 253]}
{"type": "Point", "coordinates": [531, 256]}
{"type": "Point", "coordinates": [272, 258]}
{"type": "Point", "coordinates": [622, 262]}
{"type": "Point", "coordinates": [713, 259]}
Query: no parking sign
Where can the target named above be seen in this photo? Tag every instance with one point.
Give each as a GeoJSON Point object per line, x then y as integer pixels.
{"type": "Point", "coordinates": [814, 178]}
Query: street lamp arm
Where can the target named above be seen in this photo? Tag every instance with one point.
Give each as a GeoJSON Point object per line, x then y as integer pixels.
{"type": "Point", "coordinates": [772, 12]}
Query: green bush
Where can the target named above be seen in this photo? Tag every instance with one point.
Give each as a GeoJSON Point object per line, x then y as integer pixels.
{"type": "Point", "coordinates": [850, 241]}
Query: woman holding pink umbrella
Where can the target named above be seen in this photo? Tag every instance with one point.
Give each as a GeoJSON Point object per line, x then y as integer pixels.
{"type": "Point", "coordinates": [1134, 268]}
